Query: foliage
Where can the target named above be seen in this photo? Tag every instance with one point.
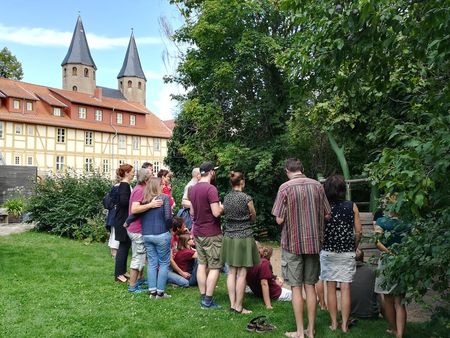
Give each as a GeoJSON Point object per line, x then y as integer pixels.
{"type": "Point", "coordinates": [70, 206]}
{"type": "Point", "coordinates": [99, 306]}
{"type": "Point", "coordinates": [376, 74]}
{"type": "Point", "coordinates": [10, 67]}
{"type": "Point", "coordinates": [14, 206]}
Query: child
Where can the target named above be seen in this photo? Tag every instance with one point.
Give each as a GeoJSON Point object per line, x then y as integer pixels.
{"type": "Point", "coordinates": [264, 283]}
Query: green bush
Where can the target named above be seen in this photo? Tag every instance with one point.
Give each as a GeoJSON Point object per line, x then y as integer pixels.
{"type": "Point", "coordinates": [14, 206]}
{"type": "Point", "coordinates": [70, 206]}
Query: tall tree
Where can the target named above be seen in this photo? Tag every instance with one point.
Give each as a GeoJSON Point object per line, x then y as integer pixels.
{"type": "Point", "coordinates": [10, 67]}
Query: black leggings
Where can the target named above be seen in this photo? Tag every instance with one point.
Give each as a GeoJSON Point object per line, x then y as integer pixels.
{"type": "Point", "coordinates": [122, 257]}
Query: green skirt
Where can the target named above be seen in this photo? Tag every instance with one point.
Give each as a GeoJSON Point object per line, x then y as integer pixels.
{"type": "Point", "coordinates": [239, 252]}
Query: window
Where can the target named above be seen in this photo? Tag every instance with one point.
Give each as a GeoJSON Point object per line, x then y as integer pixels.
{"type": "Point", "coordinates": [31, 130]}
{"type": "Point", "coordinates": [57, 111]}
{"type": "Point", "coordinates": [89, 165]}
{"type": "Point", "coordinates": [86, 72]}
{"type": "Point", "coordinates": [16, 104]}
{"type": "Point", "coordinates": [136, 142]}
{"type": "Point", "coordinates": [121, 84]}
{"type": "Point", "coordinates": [29, 105]}
{"type": "Point", "coordinates": [61, 135]}
{"type": "Point", "coordinates": [81, 112]}
{"type": "Point", "coordinates": [155, 167]}
{"type": "Point", "coordinates": [98, 115]}
{"type": "Point", "coordinates": [74, 71]}
{"type": "Point", "coordinates": [93, 74]}
{"type": "Point", "coordinates": [129, 83]}
{"type": "Point", "coordinates": [17, 160]}
{"type": "Point", "coordinates": [122, 141]}
{"type": "Point", "coordinates": [74, 88]}
{"type": "Point", "coordinates": [19, 128]}
{"type": "Point", "coordinates": [121, 162]}
{"type": "Point", "coordinates": [139, 85]}
{"type": "Point", "coordinates": [1, 129]}
{"type": "Point", "coordinates": [30, 160]}
{"type": "Point", "coordinates": [105, 166]}
{"type": "Point", "coordinates": [132, 120]}
{"type": "Point", "coordinates": [59, 163]}
{"type": "Point", "coordinates": [119, 118]}
{"type": "Point", "coordinates": [65, 72]}
{"type": "Point", "coordinates": [136, 165]}
{"type": "Point", "coordinates": [156, 144]}
{"type": "Point", "coordinates": [88, 138]}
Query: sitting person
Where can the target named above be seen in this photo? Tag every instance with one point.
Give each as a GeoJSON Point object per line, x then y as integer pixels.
{"type": "Point", "coordinates": [264, 283]}
{"type": "Point", "coordinates": [364, 300]}
{"type": "Point", "coordinates": [185, 259]}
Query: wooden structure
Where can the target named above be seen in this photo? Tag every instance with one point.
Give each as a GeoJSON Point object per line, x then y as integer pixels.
{"type": "Point", "coordinates": [371, 253]}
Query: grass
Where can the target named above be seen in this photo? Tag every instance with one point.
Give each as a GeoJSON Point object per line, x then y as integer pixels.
{"type": "Point", "coordinates": [55, 287]}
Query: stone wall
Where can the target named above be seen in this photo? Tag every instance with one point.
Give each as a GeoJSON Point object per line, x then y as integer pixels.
{"type": "Point", "coordinates": [16, 180]}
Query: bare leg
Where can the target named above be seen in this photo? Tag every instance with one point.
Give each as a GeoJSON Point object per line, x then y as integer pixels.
{"type": "Point", "coordinates": [231, 286]}
{"type": "Point", "coordinates": [345, 305]}
{"type": "Point", "coordinates": [133, 277]}
{"type": "Point", "coordinates": [389, 312]}
{"type": "Point", "coordinates": [311, 302]}
{"type": "Point", "coordinates": [332, 304]}
{"type": "Point", "coordinates": [201, 278]}
{"type": "Point", "coordinates": [211, 281]}
{"type": "Point", "coordinates": [240, 290]}
{"type": "Point", "coordinates": [321, 294]}
{"type": "Point", "coordinates": [400, 315]}
{"type": "Point", "coordinates": [297, 306]}
{"type": "Point", "coordinates": [113, 252]}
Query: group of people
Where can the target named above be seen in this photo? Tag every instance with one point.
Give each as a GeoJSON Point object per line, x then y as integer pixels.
{"type": "Point", "coordinates": [319, 239]}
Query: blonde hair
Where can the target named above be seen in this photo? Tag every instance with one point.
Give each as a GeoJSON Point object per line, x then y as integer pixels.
{"type": "Point", "coordinates": [152, 189]}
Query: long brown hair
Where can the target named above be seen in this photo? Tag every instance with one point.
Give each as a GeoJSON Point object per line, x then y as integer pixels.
{"type": "Point", "coordinates": [152, 189]}
{"type": "Point", "coordinates": [183, 241]}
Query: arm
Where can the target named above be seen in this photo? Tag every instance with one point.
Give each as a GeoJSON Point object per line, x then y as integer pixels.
{"type": "Point", "coordinates": [137, 207]}
{"type": "Point", "coordinates": [217, 209]}
{"type": "Point", "coordinates": [186, 203]}
{"type": "Point", "coordinates": [266, 294]}
{"type": "Point", "coordinates": [358, 226]}
{"type": "Point", "coordinates": [279, 220]}
{"type": "Point", "coordinates": [251, 208]}
{"type": "Point", "coordinates": [177, 269]}
{"type": "Point", "coordinates": [379, 231]}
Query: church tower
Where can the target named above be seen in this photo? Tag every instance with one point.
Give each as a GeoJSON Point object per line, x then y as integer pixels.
{"type": "Point", "coordinates": [78, 67]}
{"type": "Point", "coordinates": [132, 81]}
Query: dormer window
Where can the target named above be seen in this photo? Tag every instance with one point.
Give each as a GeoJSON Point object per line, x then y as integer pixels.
{"type": "Point", "coordinates": [74, 71]}
{"type": "Point", "coordinates": [129, 84]}
{"type": "Point", "coordinates": [86, 72]}
{"type": "Point", "coordinates": [57, 111]}
{"type": "Point", "coordinates": [82, 112]}
{"type": "Point", "coordinates": [16, 104]}
{"type": "Point", "coordinates": [132, 120]}
{"type": "Point", "coordinates": [119, 118]}
{"type": "Point", "coordinates": [29, 105]}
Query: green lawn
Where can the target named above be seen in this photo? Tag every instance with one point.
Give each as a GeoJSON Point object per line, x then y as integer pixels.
{"type": "Point", "coordinates": [55, 287]}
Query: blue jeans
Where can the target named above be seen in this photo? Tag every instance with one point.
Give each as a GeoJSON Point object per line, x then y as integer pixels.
{"type": "Point", "coordinates": [176, 279]}
{"type": "Point", "coordinates": [158, 254]}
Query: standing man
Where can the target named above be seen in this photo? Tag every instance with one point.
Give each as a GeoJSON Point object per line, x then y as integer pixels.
{"type": "Point", "coordinates": [301, 208]}
{"type": "Point", "coordinates": [206, 210]}
{"type": "Point", "coordinates": [149, 166]}
{"type": "Point", "coordinates": [195, 178]}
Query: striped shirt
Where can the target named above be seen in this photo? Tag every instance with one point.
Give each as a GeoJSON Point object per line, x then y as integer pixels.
{"type": "Point", "coordinates": [302, 203]}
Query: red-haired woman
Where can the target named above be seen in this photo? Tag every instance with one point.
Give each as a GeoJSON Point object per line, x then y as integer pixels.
{"type": "Point", "coordinates": [125, 173]}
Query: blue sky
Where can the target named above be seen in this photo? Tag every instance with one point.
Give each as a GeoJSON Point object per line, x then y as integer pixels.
{"type": "Point", "coordinates": [38, 33]}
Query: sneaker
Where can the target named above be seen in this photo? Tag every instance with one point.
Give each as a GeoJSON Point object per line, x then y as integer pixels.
{"type": "Point", "coordinates": [136, 289]}
{"type": "Point", "coordinates": [152, 295]}
{"type": "Point", "coordinates": [163, 295]}
{"type": "Point", "coordinates": [141, 282]}
{"type": "Point", "coordinates": [212, 305]}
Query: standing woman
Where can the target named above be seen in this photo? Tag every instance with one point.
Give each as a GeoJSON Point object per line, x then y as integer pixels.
{"type": "Point", "coordinates": [342, 234]}
{"type": "Point", "coordinates": [239, 249]}
{"type": "Point", "coordinates": [125, 173]}
{"type": "Point", "coordinates": [165, 177]}
{"type": "Point", "coordinates": [156, 223]}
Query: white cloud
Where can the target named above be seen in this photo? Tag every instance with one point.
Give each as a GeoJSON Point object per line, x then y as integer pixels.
{"type": "Point", "coordinates": [166, 108]}
{"type": "Point", "coordinates": [49, 37]}
{"type": "Point", "coordinates": [151, 75]}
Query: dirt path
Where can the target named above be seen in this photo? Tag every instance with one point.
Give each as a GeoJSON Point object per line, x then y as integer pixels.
{"type": "Point", "coordinates": [416, 312]}
{"type": "Point", "coordinates": [14, 228]}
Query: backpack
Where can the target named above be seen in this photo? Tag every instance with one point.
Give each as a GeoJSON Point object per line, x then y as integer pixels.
{"type": "Point", "coordinates": [186, 216]}
{"type": "Point", "coordinates": [110, 202]}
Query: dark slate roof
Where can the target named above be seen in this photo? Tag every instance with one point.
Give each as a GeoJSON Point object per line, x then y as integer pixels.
{"type": "Point", "coordinates": [112, 93]}
{"type": "Point", "coordinates": [132, 64]}
{"type": "Point", "coordinates": [79, 50]}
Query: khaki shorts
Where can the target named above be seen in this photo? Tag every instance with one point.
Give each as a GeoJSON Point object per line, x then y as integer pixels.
{"type": "Point", "coordinates": [208, 251]}
{"type": "Point", "coordinates": [300, 269]}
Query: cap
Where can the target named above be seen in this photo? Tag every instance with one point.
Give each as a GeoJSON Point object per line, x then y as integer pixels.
{"type": "Point", "coordinates": [207, 166]}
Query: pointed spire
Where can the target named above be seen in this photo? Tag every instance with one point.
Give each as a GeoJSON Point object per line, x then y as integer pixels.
{"type": "Point", "coordinates": [132, 64]}
{"type": "Point", "coordinates": [79, 49]}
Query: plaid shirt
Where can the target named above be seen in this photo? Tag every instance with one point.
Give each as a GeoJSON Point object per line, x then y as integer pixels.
{"type": "Point", "coordinates": [302, 203]}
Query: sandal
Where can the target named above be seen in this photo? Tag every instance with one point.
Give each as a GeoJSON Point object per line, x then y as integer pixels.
{"type": "Point", "coordinates": [253, 323]}
{"type": "Point", "coordinates": [264, 326]}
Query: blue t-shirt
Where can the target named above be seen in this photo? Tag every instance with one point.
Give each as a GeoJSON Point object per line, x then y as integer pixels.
{"type": "Point", "coordinates": [396, 228]}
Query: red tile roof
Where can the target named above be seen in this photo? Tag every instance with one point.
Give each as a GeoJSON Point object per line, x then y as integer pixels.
{"type": "Point", "coordinates": [47, 97]}
{"type": "Point", "coordinates": [170, 124]}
